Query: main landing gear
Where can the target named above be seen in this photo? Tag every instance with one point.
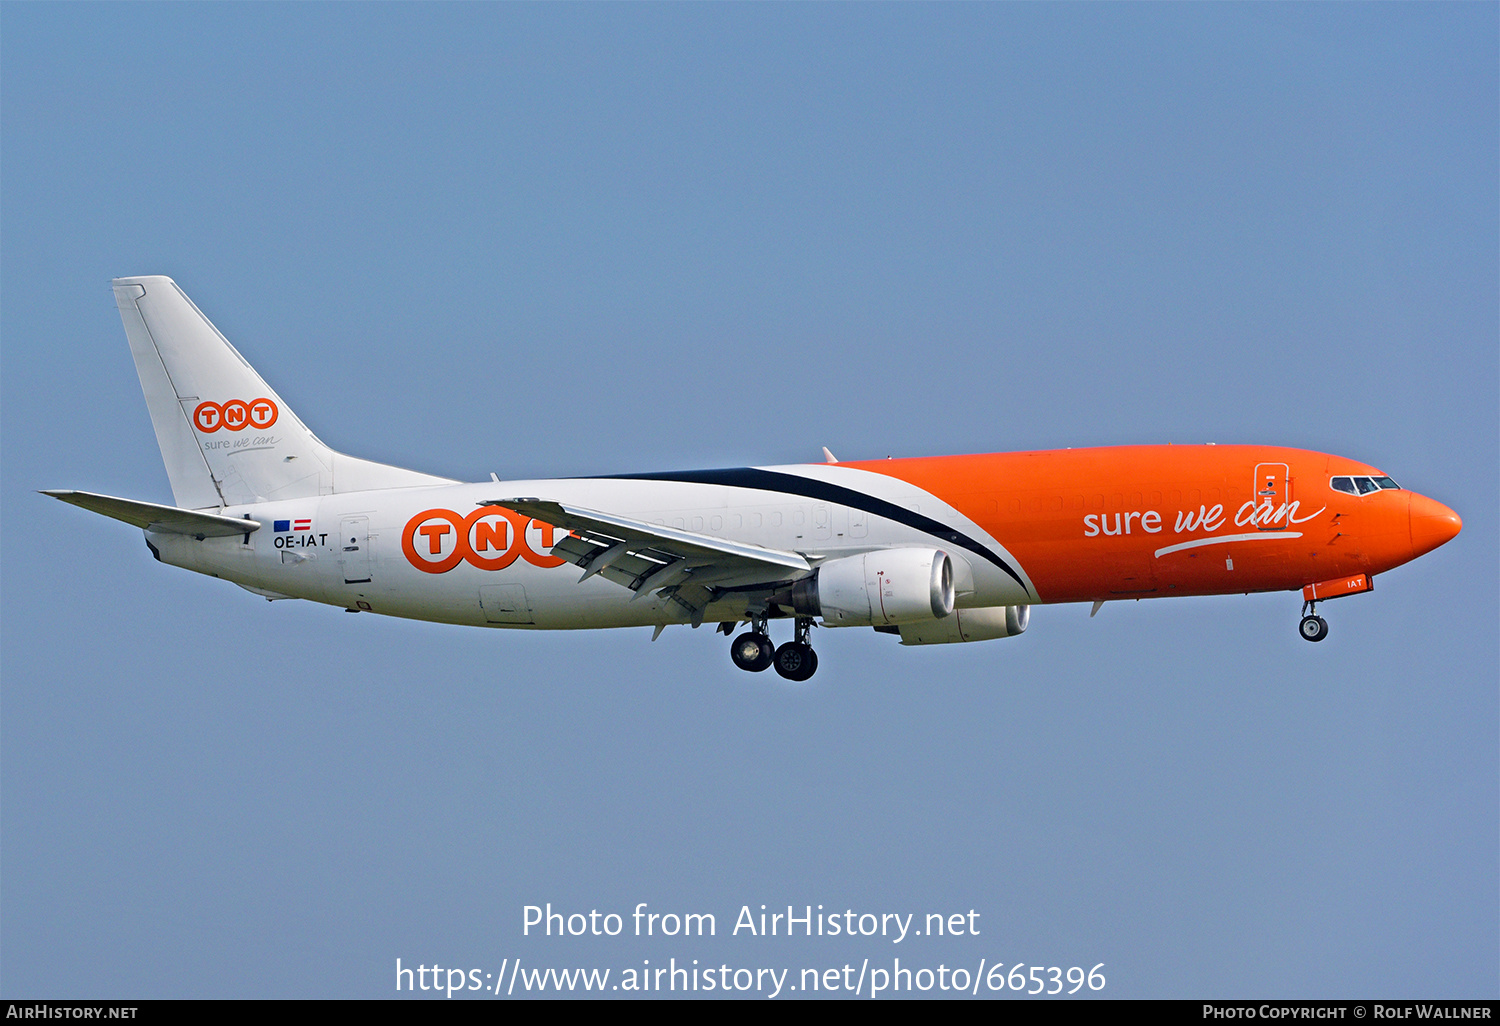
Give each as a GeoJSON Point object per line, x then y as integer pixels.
{"type": "Point", "coordinates": [1313, 627]}
{"type": "Point", "coordinates": [752, 651]}
{"type": "Point", "coordinates": [796, 660]}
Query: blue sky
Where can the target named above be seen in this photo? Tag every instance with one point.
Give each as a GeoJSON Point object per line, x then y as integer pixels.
{"type": "Point", "coordinates": [559, 240]}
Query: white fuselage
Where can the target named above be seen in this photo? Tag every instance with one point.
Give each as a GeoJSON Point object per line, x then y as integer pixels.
{"type": "Point", "coordinates": [368, 550]}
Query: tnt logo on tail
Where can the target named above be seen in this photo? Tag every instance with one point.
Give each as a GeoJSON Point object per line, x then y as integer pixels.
{"type": "Point", "coordinates": [235, 415]}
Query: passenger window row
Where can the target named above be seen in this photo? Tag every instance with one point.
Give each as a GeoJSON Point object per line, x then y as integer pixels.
{"type": "Point", "coordinates": [1361, 485]}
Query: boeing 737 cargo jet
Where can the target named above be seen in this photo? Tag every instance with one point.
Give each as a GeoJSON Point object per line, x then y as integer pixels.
{"type": "Point", "coordinates": [940, 550]}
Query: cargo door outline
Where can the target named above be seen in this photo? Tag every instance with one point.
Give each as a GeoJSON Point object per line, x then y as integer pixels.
{"type": "Point", "coordinates": [1273, 483]}
{"type": "Point", "coordinates": [355, 553]}
{"type": "Point", "coordinates": [505, 603]}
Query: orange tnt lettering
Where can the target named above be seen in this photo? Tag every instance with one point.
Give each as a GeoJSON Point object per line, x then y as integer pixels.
{"type": "Point", "coordinates": [434, 533]}
{"type": "Point", "coordinates": [234, 415]}
{"type": "Point", "coordinates": [492, 536]}
{"type": "Point", "coordinates": [263, 413]}
{"type": "Point", "coordinates": [504, 532]}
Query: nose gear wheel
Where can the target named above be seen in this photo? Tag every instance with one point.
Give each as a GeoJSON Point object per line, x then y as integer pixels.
{"type": "Point", "coordinates": [1313, 628]}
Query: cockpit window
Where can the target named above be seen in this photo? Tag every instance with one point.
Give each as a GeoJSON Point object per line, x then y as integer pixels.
{"type": "Point", "coordinates": [1361, 485]}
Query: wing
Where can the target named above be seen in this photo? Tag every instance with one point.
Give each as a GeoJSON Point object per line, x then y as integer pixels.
{"type": "Point", "coordinates": [690, 569]}
{"type": "Point", "coordinates": [162, 519]}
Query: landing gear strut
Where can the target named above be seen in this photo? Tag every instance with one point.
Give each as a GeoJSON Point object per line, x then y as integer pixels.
{"type": "Point", "coordinates": [796, 660]}
{"type": "Point", "coordinates": [1313, 627]}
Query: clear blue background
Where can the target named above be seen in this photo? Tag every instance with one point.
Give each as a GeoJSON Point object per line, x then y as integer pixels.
{"type": "Point", "coordinates": [559, 240]}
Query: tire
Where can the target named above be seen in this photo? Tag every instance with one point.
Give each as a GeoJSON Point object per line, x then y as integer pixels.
{"type": "Point", "coordinates": [796, 661]}
{"type": "Point", "coordinates": [752, 652]}
{"type": "Point", "coordinates": [1313, 628]}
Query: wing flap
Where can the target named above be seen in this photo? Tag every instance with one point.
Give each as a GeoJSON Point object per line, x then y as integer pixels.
{"type": "Point", "coordinates": [153, 517]}
{"type": "Point", "coordinates": [645, 558]}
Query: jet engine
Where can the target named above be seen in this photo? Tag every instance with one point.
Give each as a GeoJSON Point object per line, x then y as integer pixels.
{"type": "Point", "coordinates": [874, 589]}
{"type": "Point", "coordinates": [982, 624]}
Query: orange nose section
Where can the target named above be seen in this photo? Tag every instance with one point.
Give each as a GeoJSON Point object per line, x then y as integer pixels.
{"type": "Point", "coordinates": [1432, 524]}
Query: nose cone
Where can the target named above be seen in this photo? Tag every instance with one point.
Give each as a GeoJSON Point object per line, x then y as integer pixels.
{"type": "Point", "coordinates": [1432, 524]}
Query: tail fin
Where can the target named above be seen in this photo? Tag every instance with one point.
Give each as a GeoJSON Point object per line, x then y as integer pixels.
{"type": "Point", "coordinates": [226, 436]}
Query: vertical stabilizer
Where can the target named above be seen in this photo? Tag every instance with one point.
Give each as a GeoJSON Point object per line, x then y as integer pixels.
{"type": "Point", "coordinates": [225, 435]}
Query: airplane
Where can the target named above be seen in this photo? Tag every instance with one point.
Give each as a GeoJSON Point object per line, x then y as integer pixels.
{"type": "Point", "coordinates": [939, 550]}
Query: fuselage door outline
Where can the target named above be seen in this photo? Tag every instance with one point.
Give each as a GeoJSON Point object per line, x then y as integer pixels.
{"type": "Point", "coordinates": [1272, 495]}
{"type": "Point", "coordinates": [354, 549]}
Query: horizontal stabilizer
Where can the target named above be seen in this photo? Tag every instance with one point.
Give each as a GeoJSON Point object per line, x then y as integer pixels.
{"type": "Point", "coordinates": [162, 519]}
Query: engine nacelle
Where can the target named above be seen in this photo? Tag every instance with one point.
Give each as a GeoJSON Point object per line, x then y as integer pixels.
{"type": "Point", "coordinates": [876, 589]}
{"type": "Point", "coordinates": [982, 624]}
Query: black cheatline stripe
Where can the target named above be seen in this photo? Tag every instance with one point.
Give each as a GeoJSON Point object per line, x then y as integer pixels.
{"type": "Point", "coordinates": [770, 481]}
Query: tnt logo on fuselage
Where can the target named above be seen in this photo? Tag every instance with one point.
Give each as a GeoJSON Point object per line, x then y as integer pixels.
{"type": "Point", "coordinates": [235, 415]}
{"type": "Point", "coordinates": [490, 538]}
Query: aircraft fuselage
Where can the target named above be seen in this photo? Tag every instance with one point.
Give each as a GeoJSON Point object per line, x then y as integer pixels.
{"type": "Point", "coordinates": [1072, 525]}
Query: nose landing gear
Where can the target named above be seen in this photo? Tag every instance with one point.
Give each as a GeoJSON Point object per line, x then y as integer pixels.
{"type": "Point", "coordinates": [1313, 627]}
